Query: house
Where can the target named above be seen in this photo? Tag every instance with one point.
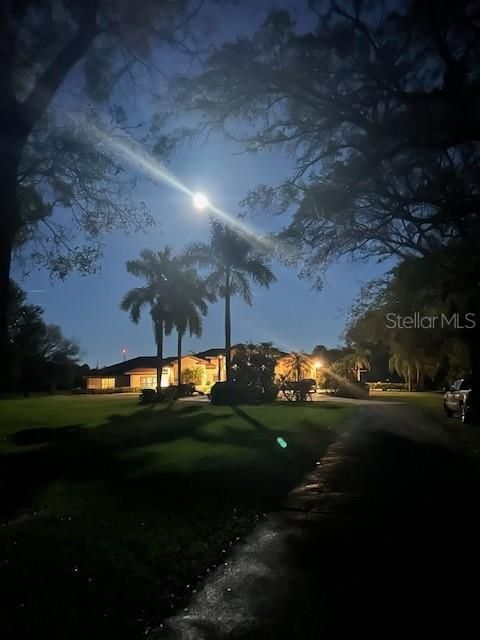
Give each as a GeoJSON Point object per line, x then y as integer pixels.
{"type": "Point", "coordinates": [204, 369]}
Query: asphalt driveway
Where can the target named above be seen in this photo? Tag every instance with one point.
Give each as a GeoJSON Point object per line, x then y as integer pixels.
{"type": "Point", "coordinates": [383, 537]}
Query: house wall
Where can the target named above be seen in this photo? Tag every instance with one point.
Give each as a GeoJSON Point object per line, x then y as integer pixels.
{"type": "Point", "coordinates": [108, 382]}
{"type": "Point", "coordinates": [147, 378]}
{"type": "Point", "coordinates": [216, 365]}
{"type": "Point", "coordinates": [94, 383]}
{"type": "Point", "coordinates": [209, 369]}
{"type": "Point", "coordinates": [188, 362]}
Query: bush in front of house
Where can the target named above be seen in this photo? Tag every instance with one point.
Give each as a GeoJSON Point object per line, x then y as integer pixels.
{"type": "Point", "coordinates": [179, 391]}
{"type": "Point", "coordinates": [234, 393]}
{"type": "Point", "coordinates": [297, 390]}
{"type": "Point", "coordinates": [270, 393]}
{"type": "Point", "coordinates": [354, 389]}
{"type": "Point", "coordinates": [109, 391]}
{"type": "Point", "coordinates": [388, 386]}
{"type": "Point", "coordinates": [149, 396]}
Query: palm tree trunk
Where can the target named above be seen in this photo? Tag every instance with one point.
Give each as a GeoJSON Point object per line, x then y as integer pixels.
{"type": "Point", "coordinates": [159, 341]}
{"type": "Point", "coordinates": [228, 327]}
{"type": "Point", "coordinates": [179, 356]}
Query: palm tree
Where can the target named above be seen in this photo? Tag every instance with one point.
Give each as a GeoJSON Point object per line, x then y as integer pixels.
{"type": "Point", "coordinates": [361, 360]}
{"type": "Point", "coordinates": [187, 303]}
{"type": "Point", "coordinates": [232, 261]}
{"type": "Point", "coordinates": [408, 361]}
{"type": "Point", "coordinates": [403, 365]}
{"type": "Point", "coordinates": [175, 294]}
{"type": "Point", "coordinates": [299, 364]}
{"type": "Point", "coordinates": [156, 270]}
{"type": "Point", "coordinates": [351, 365]}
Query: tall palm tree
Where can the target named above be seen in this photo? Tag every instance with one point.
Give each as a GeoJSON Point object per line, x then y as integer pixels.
{"type": "Point", "coordinates": [232, 261]}
{"type": "Point", "coordinates": [155, 268]}
{"type": "Point", "coordinates": [187, 302]}
{"type": "Point", "coordinates": [175, 294]}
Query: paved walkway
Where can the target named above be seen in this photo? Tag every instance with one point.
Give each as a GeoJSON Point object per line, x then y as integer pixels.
{"type": "Point", "coordinates": [383, 537]}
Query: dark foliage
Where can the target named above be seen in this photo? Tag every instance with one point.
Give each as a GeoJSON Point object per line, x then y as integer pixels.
{"type": "Point", "coordinates": [39, 357]}
{"type": "Point", "coordinates": [232, 393]}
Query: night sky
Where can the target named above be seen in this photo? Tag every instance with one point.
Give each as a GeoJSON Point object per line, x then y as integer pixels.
{"type": "Point", "coordinates": [290, 314]}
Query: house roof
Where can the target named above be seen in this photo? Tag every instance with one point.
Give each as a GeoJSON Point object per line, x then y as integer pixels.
{"type": "Point", "coordinates": [141, 362]}
{"type": "Point", "coordinates": [150, 362]}
{"type": "Point", "coordinates": [121, 368]}
{"type": "Point", "coordinates": [210, 353]}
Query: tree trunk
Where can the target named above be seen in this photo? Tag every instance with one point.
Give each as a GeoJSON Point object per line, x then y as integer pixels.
{"type": "Point", "coordinates": [420, 378]}
{"type": "Point", "coordinates": [228, 328]}
{"type": "Point", "coordinates": [179, 356]}
{"type": "Point", "coordinates": [6, 247]}
{"type": "Point", "coordinates": [11, 223]}
{"type": "Point", "coordinates": [159, 340]}
{"type": "Point", "coordinates": [17, 120]}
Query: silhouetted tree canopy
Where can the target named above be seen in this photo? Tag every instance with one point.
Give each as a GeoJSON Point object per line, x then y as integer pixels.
{"type": "Point", "coordinates": [67, 70]}
{"type": "Point", "coordinates": [378, 105]}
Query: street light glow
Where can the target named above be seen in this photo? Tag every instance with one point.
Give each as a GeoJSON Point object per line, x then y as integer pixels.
{"type": "Point", "coordinates": [200, 201]}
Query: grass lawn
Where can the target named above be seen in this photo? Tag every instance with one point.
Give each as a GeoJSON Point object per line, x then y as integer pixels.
{"type": "Point", "coordinates": [427, 401]}
{"type": "Point", "coordinates": [112, 512]}
{"type": "Point", "coordinates": [465, 437]}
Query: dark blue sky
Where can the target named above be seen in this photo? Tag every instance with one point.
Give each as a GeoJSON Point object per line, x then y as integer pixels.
{"type": "Point", "coordinates": [290, 313]}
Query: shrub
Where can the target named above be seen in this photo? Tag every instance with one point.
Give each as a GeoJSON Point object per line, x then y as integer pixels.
{"type": "Point", "coordinates": [352, 390]}
{"type": "Point", "coordinates": [110, 391]}
{"type": "Point", "coordinates": [234, 393]}
{"type": "Point", "coordinates": [270, 393]}
{"type": "Point", "coordinates": [179, 391]}
{"type": "Point", "coordinates": [388, 386]}
{"type": "Point", "coordinates": [298, 390]}
{"type": "Point", "coordinates": [148, 396]}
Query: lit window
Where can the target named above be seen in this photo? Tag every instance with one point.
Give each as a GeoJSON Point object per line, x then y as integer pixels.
{"type": "Point", "coordinates": [148, 382]}
{"type": "Point", "coordinates": [108, 383]}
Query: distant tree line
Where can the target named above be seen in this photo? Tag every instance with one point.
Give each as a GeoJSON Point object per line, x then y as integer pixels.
{"type": "Point", "coordinates": [38, 357]}
{"type": "Point", "coordinates": [427, 347]}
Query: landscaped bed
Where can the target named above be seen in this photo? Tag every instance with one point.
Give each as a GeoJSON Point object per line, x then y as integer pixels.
{"type": "Point", "coordinates": [112, 513]}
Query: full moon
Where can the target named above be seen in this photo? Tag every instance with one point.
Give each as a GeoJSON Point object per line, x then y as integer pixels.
{"type": "Point", "coordinates": [200, 201]}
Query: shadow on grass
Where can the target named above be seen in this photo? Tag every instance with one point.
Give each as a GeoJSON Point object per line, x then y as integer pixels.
{"type": "Point", "coordinates": [399, 553]}
{"type": "Point", "coordinates": [74, 452]}
{"type": "Point", "coordinates": [248, 418]}
{"type": "Point", "coordinates": [78, 453]}
{"type": "Point", "coordinates": [130, 531]}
